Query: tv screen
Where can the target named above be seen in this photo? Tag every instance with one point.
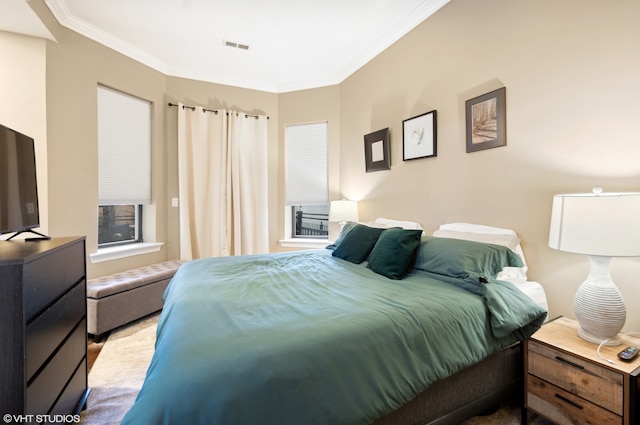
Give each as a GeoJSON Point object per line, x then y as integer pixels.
{"type": "Point", "coordinates": [18, 187]}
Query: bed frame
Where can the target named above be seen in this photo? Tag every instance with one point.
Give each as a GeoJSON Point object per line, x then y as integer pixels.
{"type": "Point", "coordinates": [469, 392]}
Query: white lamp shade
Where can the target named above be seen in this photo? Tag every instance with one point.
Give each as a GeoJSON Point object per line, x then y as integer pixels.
{"type": "Point", "coordinates": [343, 210]}
{"type": "Point", "coordinates": [605, 224]}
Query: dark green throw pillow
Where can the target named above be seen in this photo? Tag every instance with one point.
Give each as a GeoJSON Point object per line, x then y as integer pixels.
{"type": "Point", "coordinates": [343, 232]}
{"type": "Point", "coordinates": [357, 243]}
{"type": "Point", "coordinates": [393, 252]}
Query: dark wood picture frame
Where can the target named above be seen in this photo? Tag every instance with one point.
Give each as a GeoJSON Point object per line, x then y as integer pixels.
{"type": "Point", "coordinates": [419, 136]}
{"type": "Point", "coordinates": [377, 154]}
{"type": "Point", "coordinates": [486, 118]}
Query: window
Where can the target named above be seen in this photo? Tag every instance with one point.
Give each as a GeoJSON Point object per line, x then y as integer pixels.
{"type": "Point", "coordinates": [124, 166]}
{"type": "Point", "coordinates": [307, 192]}
{"type": "Point", "coordinates": [119, 223]}
{"type": "Point", "coordinates": [310, 221]}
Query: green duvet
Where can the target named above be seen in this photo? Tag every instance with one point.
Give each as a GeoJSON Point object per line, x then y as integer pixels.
{"type": "Point", "coordinates": [307, 338]}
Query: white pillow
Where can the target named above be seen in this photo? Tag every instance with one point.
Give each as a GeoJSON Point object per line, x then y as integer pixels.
{"type": "Point", "coordinates": [477, 228]}
{"type": "Point", "coordinates": [489, 234]}
{"type": "Point", "coordinates": [397, 223]}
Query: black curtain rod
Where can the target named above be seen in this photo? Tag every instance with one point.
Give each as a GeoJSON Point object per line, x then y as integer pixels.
{"type": "Point", "coordinates": [193, 108]}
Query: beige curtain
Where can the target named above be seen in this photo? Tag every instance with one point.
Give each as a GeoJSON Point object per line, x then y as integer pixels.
{"type": "Point", "coordinates": [222, 169]}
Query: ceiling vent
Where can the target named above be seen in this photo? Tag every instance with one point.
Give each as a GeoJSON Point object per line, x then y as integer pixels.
{"type": "Point", "coordinates": [236, 45]}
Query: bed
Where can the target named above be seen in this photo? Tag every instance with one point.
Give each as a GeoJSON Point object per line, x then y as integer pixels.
{"type": "Point", "coordinates": [383, 327]}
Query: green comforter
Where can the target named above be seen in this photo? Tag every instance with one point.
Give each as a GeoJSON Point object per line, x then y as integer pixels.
{"type": "Point", "coordinates": [306, 338]}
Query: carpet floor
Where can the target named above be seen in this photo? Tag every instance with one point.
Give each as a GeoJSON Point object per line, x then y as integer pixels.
{"type": "Point", "coordinates": [118, 372]}
{"type": "Point", "coordinates": [121, 364]}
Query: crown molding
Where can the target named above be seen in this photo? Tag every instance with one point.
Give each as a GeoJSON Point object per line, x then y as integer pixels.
{"type": "Point", "coordinates": [61, 12]}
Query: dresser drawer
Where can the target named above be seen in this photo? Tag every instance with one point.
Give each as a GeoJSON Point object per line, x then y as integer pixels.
{"type": "Point", "coordinates": [74, 393]}
{"type": "Point", "coordinates": [55, 377]}
{"type": "Point", "coordinates": [564, 408]}
{"type": "Point", "coordinates": [589, 381]}
{"type": "Point", "coordinates": [46, 332]}
{"type": "Point", "coordinates": [49, 276]}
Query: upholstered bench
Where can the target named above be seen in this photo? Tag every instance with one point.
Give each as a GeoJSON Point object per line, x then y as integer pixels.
{"type": "Point", "coordinates": [121, 298]}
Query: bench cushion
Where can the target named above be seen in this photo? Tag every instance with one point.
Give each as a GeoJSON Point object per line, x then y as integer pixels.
{"type": "Point", "coordinates": [105, 286]}
{"type": "Point", "coordinates": [121, 298]}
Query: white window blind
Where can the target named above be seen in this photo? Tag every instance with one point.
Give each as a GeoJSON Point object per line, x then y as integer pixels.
{"type": "Point", "coordinates": [307, 181]}
{"type": "Point", "coordinates": [124, 148]}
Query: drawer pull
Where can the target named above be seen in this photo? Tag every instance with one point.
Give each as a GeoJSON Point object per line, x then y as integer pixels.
{"type": "Point", "coordinates": [566, 400]}
{"type": "Point", "coordinates": [565, 361]}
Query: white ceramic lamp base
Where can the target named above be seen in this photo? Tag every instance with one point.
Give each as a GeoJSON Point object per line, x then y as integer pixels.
{"type": "Point", "coordinates": [599, 306]}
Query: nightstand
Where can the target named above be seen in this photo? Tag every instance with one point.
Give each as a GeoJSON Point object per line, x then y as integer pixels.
{"type": "Point", "coordinates": [568, 383]}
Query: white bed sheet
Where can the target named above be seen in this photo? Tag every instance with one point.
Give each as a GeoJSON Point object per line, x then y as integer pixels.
{"type": "Point", "coordinates": [533, 290]}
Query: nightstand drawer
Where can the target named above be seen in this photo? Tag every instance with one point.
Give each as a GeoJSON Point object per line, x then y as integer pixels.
{"type": "Point", "coordinates": [587, 380]}
{"type": "Point", "coordinates": [564, 408]}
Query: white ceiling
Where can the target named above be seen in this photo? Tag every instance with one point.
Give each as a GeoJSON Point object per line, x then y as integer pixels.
{"type": "Point", "coordinates": [293, 44]}
{"type": "Point", "coordinates": [16, 16]}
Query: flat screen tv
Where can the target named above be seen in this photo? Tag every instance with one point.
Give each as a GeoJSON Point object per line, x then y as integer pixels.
{"type": "Point", "coordinates": [19, 211]}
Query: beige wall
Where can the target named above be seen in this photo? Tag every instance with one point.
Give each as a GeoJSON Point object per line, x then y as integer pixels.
{"type": "Point", "coordinates": [75, 67]}
{"type": "Point", "coordinates": [308, 106]}
{"type": "Point", "coordinates": [571, 72]}
{"type": "Point", "coordinates": [56, 84]}
{"type": "Point", "coordinates": [23, 104]}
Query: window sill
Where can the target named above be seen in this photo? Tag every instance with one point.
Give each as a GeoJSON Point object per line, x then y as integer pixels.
{"type": "Point", "coordinates": [123, 251]}
{"type": "Point", "coordinates": [304, 243]}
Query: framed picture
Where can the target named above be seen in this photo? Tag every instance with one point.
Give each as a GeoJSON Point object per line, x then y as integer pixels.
{"type": "Point", "coordinates": [376, 150]}
{"type": "Point", "coordinates": [419, 136]}
{"type": "Point", "coordinates": [486, 121]}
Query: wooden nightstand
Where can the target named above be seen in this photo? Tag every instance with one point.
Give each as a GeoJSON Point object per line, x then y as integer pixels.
{"type": "Point", "coordinates": [568, 383]}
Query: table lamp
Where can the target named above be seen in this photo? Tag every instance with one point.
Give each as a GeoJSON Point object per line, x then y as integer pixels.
{"type": "Point", "coordinates": [600, 225]}
{"type": "Point", "coordinates": [343, 211]}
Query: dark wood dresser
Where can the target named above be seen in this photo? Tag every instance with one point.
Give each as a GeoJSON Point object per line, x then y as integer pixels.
{"type": "Point", "coordinates": [43, 327]}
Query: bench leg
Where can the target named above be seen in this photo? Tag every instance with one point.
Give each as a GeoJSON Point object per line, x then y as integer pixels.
{"type": "Point", "coordinates": [98, 339]}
